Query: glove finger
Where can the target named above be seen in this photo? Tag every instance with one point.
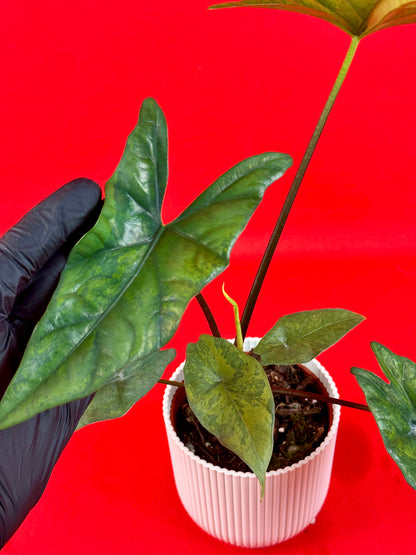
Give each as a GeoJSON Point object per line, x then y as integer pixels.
{"type": "Point", "coordinates": [41, 233]}
{"type": "Point", "coordinates": [62, 219]}
{"type": "Point", "coordinates": [28, 453]}
{"type": "Point", "coordinates": [27, 311]}
{"type": "Point", "coordinates": [32, 301]}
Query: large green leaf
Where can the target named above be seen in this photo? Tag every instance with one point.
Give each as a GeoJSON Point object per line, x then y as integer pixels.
{"type": "Point", "coordinates": [128, 281]}
{"type": "Point", "coordinates": [231, 397]}
{"type": "Point", "coordinates": [394, 406]}
{"type": "Point", "coordinates": [300, 337]}
{"type": "Point", "coordinates": [355, 17]}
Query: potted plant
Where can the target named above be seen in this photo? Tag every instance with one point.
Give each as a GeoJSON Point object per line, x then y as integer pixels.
{"type": "Point", "coordinates": [128, 281]}
{"type": "Point", "coordinates": [125, 287]}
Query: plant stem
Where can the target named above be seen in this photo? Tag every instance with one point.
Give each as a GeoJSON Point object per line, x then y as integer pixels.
{"type": "Point", "coordinates": [208, 315]}
{"type": "Point", "coordinates": [171, 382]}
{"type": "Point", "coordinates": [277, 232]}
{"type": "Point", "coordinates": [319, 397]}
{"type": "Point", "coordinates": [295, 393]}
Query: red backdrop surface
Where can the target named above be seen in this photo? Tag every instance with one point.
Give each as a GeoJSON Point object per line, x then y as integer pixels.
{"type": "Point", "coordinates": [232, 83]}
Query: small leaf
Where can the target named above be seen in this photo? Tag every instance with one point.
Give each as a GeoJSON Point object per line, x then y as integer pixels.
{"type": "Point", "coordinates": [130, 384]}
{"type": "Point", "coordinates": [231, 397]}
{"type": "Point", "coordinates": [300, 337]}
{"type": "Point", "coordinates": [393, 406]}
{"type": "Point", "coordinates": [128, 281]}
{"type": "Point", "coordinates": [355, 17]}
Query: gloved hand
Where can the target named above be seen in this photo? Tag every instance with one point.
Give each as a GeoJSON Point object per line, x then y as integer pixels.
{"type": "Point", "coordinates": [32, 256]}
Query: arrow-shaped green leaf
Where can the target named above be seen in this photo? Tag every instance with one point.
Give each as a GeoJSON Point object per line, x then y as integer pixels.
{"type": "Point", "coordinates": [355, 17]}
{"type": "Point", "coordinates": [231, 397]}
{"type": "Point", "coordinates": [300, 337]}
{"type": "Point", "coordinates": [394, 406]}
{"type": "Point", "coordinates": [128, 281]}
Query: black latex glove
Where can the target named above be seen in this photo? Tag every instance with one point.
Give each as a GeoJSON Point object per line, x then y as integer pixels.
{"type": "Point", "coordinates": [32, 256]}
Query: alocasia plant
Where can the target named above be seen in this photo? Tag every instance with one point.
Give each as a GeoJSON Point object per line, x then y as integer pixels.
{"type": "Point", "coordinates": [125, 287]}
{"type": "Point", "coordinates": [129, 280]}
{"type": "Point", "coordinates": [392, 405]}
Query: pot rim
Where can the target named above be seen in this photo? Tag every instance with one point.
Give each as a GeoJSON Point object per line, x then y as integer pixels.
{"type": "Point", "coordinates": [314, 365]}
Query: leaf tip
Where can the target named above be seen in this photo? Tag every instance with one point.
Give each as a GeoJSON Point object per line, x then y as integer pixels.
{"type": "Point", "coordinates": [377, 347]}
{"type": "Point", "coordinates": [355, 370]}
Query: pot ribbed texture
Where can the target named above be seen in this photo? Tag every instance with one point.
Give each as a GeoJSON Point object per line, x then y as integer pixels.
{"type": "Point", "coordinates": [227, 504]}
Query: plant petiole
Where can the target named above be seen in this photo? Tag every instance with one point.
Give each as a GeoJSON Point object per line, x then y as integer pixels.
{"type": "Point", "coordinates": [281, 222]}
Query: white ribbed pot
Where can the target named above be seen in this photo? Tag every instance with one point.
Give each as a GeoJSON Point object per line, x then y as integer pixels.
{"type": "Point", "coordinates": [227, 504]}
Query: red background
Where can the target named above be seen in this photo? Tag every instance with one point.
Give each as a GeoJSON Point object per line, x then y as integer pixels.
{"type": "Point", "coordinates": [232, 83]}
